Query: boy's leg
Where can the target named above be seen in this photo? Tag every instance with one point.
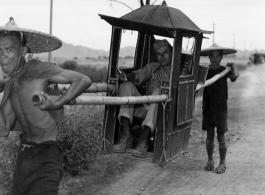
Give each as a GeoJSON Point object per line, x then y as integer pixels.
{"type": "Point", "coordinates": [222, 148]}
{"type": "Point", "coordinates": [209, 148]}
{"type": "Point", "coordinates": [222, 151]}
{"type": "Point", "coordinates": [221, 121]}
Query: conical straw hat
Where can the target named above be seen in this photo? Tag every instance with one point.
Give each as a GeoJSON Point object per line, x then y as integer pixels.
{"type": "Point", "coordinates": [226, 51]}
{"type": "Point", "coordinates": [37, 42]}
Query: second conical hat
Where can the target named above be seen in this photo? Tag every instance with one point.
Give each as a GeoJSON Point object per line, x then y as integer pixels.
{"type": "Point", "coordinates": [226, 50]}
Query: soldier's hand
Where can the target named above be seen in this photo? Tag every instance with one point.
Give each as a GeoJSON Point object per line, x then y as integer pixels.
{"type": "Point", "coordinates": [122, 75]}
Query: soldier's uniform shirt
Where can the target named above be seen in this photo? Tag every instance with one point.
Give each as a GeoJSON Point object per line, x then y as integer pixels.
{"type": "Point", "coordinates": [155, 73]}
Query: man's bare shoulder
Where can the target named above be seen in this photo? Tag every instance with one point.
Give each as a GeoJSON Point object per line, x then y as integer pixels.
{"type": "Point", "coordinates": [42, 70]}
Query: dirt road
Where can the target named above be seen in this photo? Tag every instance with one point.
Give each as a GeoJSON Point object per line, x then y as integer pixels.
{"type": "Point", "coordinates": [245, 173]}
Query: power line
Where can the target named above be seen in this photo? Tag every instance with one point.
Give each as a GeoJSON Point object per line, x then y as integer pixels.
{"type": "Point", "coordinates": [50, 54]}
{"type": "Point", "coordinates": [234, 44]}
{"type": "Point", "coordinates": [213, 31]}
{"type": "Point", "coordinates": [82, 24]}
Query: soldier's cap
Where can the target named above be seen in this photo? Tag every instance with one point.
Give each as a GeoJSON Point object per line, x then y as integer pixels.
{"type": "Point", "coordinates": [37, 42]}
{"type": "Point", "coordinates": [160, 43]}
{"type": "Point", "coordinates": [215, 47]}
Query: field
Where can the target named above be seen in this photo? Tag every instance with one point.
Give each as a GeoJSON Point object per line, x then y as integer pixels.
{"type": "Point", "coordinates": [95, 170]}
{"type": "Point", "coordinates": [104, 63]}
{"type": "Point", "coordinates": [128, 63]}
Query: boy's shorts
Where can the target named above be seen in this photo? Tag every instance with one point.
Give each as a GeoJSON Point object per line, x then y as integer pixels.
{"type": "Point", "coordinates": [218, 120]}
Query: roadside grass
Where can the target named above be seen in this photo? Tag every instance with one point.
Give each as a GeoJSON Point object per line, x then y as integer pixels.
{"type": "Point", "coordinates": [8, 151]}
{"type": "Point", "coordinates": [96, 169]}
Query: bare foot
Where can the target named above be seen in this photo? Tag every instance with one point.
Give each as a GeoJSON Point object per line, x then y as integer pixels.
{"type": "Point", "coordinates": [209, 165]}
{"type": "Point", "coordinates": [220, 169]}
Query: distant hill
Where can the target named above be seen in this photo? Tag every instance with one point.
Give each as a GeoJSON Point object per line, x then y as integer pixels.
{"type": "Point", "coordinates": [70, 52]}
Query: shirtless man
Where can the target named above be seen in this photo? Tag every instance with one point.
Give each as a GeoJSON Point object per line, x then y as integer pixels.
{"type": "Point", "coordinates": [39, 163]}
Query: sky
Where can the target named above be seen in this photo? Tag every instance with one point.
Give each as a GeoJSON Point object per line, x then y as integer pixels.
{"type": "Point", "coordinates": [236, 23]}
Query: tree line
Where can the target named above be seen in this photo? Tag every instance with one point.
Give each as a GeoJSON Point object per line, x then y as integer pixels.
{"type": "Point", "coordinates": [97, 75]}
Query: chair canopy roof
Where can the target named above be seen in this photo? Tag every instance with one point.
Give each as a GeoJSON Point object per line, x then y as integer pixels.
{"type": "Point", "coordinates": [155, 19]}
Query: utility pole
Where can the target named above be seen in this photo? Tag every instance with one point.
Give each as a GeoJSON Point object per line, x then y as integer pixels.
{"type": "Point", "coordinates": [49, 56]}
{"type": "Point", "coordinates": [233, 41]}
{"type": "Point", "coordinates": [213, 31]}
{"type": "Point", "coordinates": [244, 48]}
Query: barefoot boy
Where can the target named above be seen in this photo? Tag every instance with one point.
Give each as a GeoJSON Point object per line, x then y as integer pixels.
{"type": "Point", "coordinates": [215, 104]}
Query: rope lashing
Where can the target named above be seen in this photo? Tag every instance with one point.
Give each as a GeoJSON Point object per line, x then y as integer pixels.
{"type": "Point", "coordinates": [164, 104]}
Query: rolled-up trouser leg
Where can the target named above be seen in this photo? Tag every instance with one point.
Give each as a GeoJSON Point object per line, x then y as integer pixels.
{"type": "Point", "coordinates": [127, 89]}
{"type": "Point", "coordinates": [151, 116]}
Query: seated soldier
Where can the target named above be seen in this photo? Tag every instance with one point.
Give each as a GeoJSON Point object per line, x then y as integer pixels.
{"type": "Point", "coordinates": [154, 73]}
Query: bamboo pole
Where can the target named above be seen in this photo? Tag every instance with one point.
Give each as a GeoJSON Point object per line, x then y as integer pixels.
{"type": "Point", "coordinates": [93, 88]}
{"type": "Point", "coordinates": [213, 79]}
{"type": "Point", "coordinates": [83, 100]}
{"type": "Point", "coordinates": [103, 100]}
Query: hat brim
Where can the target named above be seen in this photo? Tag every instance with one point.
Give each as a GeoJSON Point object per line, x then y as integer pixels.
{"type": "Point", "coordinates": [37, 42]}
{"type": "Point", "coordinates": [225, 51]}
{"type": "Point", "coordinates": [215, 47]}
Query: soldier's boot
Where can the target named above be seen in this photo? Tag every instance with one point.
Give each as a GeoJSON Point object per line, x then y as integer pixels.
{"type": "Point", "coordinates": [143, 145]}
{"type": "Point", "coordinates": [126, 137]}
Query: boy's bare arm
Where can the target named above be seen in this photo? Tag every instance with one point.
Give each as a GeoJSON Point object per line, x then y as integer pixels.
{"type": "Point", "coordinates": [7, 119]}
{"type": "Point", "coordinates": [79, 83]}
{"type": "Point", "coordinates": [234, 72]}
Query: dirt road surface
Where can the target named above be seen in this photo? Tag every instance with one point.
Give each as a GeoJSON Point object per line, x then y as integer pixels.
{"type": "Point", "coordinates": [245, 172]}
